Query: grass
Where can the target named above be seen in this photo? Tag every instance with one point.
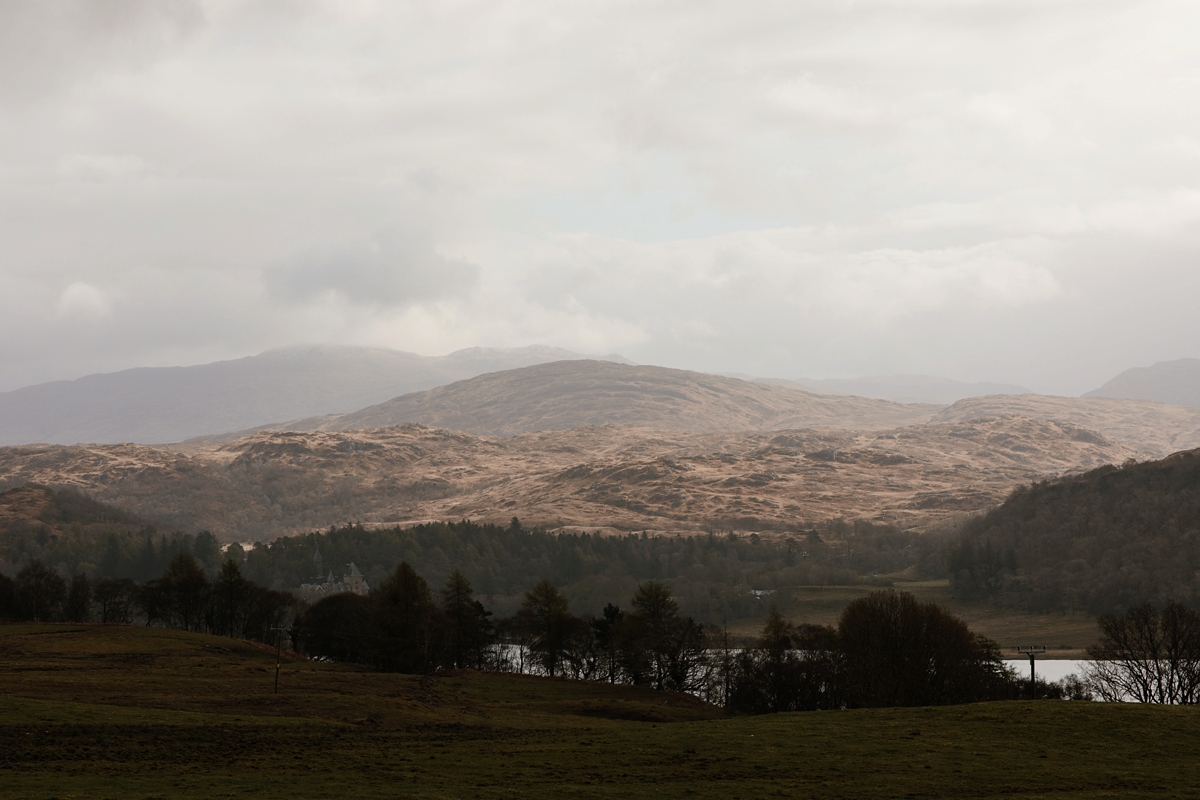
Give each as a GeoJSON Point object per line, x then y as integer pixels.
{"type": "Point", "coordinates": [90, 712]}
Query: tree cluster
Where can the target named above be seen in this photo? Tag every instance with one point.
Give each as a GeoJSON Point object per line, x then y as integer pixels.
{"type": "Point", "coordinates": [182, 597]}
{"type": "Point", "coordinates": [404, 626]}
{"type": "Point", "coordinates": [888, 649]}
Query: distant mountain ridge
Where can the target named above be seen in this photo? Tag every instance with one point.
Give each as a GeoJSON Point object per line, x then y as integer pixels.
{"type": "Point", "coordinates": [902, 388]}
{"type": "Point", "coordinates": [170, 404]}
{"type": "Point", "coordinates": [562, 395]}
{"type": "Point", "coordinates": [1175, 382]}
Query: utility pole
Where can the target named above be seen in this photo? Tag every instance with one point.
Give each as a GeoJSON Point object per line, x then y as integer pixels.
{"type": "Point", "coordinates": [1032, 652]}
{"type": "Point", "coordinates": [278, 652]}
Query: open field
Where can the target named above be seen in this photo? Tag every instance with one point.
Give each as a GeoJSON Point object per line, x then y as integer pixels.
{"type": "Point", "coordinates": [87, 711]}
{"type": "Point", "coordinates": [1065, 635]}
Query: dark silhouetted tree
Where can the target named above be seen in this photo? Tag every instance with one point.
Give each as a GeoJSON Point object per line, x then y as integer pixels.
{"type": "Point", "coordinates": [605, 629]}
{"type": "Point", "coordinates": [8, 598]}
{"type": "Point", "coordinates": [229, 600]}
{"type": "Point", "coordinates": [468, 631]}
{"type": "Point", "coordinates": [410, 635]}
{"type": "Point", "coordinates": [546, 619]}
{"type": "Point", "coordinates": [899, 651]}
{"type": "Point", "coordinates": [40, 592]}
{"type": "Point", "coordinates": [78, 607]}
{"type": "Point", "coordinates": [341, 627]}
{"type": "Point", "coordinates": [658, 646]}
{"type": "Point", "coordinates": [115, 599]}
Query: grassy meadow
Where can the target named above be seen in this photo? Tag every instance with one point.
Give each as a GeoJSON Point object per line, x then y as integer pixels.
{"type": "Point", "coordinates": [131, 712]}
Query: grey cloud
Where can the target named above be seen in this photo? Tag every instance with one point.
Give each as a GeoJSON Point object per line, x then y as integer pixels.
{"type": "Point", "coordinates": [991, 190]}
{"type": "Point", "coordinates": [45, 45]}
{"type": "Point", "coordinates": [391, 270]}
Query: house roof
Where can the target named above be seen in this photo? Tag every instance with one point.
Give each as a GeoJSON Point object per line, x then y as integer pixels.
{"type": "Point", "coordinates": [353, 573]}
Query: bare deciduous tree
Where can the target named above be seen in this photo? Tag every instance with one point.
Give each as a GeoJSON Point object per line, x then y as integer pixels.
{"type": "Point", "coordinates": [1148, 655]}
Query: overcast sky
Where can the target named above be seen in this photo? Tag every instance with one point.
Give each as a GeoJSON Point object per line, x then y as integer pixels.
{"type": "Point", "coordinates": [981, 190]}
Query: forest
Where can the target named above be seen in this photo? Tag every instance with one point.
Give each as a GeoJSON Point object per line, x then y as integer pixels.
{"type": "Point", "coordinates": [1100, 542]}
{"type": "Point", "coordinates": [712, 576]}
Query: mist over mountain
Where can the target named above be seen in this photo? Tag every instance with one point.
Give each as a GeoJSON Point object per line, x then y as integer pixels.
{"type": "Point", "coordinates": [169, 404]}
{"type": "Point", "coordinates": [563, 395]}
{"type": "Point", "coordinates": [901, 388]}
{"type": "Point", "coordinates": [1176, 382]}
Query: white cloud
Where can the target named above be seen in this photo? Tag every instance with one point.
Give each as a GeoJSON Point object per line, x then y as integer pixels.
{"type": "Point", "coordinates": [93, 166]}
{"type": "Point", "coordinates": [82, 301]}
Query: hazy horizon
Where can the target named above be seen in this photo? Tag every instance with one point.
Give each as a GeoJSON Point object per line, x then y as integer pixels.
{"type": "Point", "coordinates": [992, 191]}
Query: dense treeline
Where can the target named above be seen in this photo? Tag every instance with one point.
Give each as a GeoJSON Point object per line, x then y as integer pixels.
{"type": "Point", "coordinates": [182, 597]}
{"type": "Point", "coordinates": [404, 626]}
{"type": "Point", "coordinates": [887, 650]}
{"type": "Point", "coordinates": [711, 575]}
{"type": "Point", "coordinates": [1103, 542]}
{"type": "Point", "coordinates": [75, 534]}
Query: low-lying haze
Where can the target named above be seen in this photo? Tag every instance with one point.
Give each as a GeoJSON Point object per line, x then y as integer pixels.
{"type": "Point", "coordinates": [987, 191]}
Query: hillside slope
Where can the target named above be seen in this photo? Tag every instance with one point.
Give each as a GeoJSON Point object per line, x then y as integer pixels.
{"type": "Point", "coordinates": [577, 394]}
{"type": "Point", "coordinates": [169, 404]}
{"type": "Point", "coordinates": [1176, 382]}
{"type": "Point", "coordinates": [1100, 541]}
{"type": "Point", "coordinates": [1151, 429]}
{"type": "Point", "coordinates": [277, 483]}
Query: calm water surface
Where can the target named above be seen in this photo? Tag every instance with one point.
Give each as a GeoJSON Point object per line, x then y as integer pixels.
{"type": "Point", "coordinates": [1048, 670]}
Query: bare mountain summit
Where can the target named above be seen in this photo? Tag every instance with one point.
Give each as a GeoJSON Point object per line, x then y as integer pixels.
{"type": "Point", "coordinates": [577, 394]}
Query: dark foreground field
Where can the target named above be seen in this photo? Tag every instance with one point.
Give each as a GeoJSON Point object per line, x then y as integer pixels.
{"type": "Point", "coordinates": [134, 712]}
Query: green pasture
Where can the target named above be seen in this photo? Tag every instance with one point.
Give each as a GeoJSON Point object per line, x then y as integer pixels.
{"type": "Point", "coordinates": [92, 712]}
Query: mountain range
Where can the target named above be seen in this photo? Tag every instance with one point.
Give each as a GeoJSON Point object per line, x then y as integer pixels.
{"type": "Point", "coordinates": [342, 387]}
{"type": "Point", "coordinates": [170, 404]}
{"type": "Point", "coordinates": [565, 442]}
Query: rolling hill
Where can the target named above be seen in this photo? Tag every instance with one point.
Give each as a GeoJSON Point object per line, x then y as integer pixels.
{"type": "Point", "coordinates": [575, 394]}
{"type": "Point", "coordinates": [169, 404]}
